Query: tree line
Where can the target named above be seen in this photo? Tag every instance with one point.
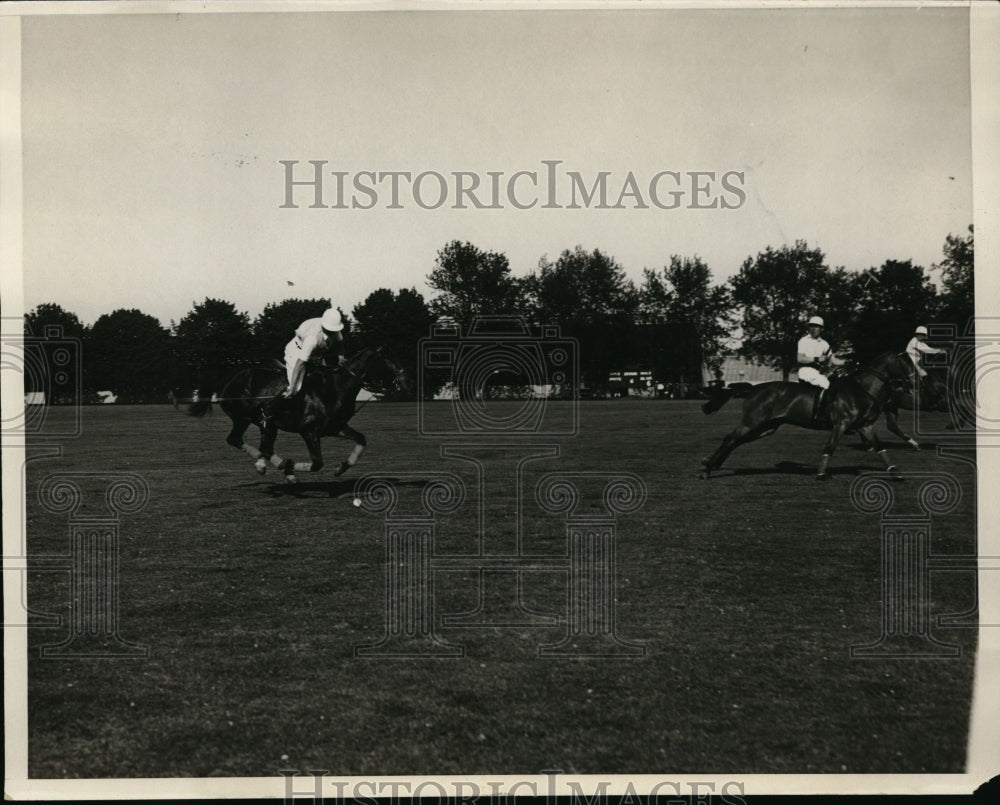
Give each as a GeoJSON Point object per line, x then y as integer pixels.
{"type": "Point", "coordinates": [674, 320]}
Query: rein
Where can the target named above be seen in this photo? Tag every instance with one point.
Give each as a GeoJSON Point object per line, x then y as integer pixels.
{"type": "Point", "coordinates": [397, 374]}
{"type": "Point", "coordinates": [872, 371]}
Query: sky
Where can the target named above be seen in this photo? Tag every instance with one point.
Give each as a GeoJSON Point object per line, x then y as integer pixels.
{"type": "Point", "coordinates": [153, 144]}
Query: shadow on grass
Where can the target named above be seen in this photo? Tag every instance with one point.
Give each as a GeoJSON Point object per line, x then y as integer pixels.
{"type": "Point", "coordinates": [797, 468]}
{"type": "Point", "coordinates": [336, 488]}
{"type": "Point", "coordinates": [893, 445]}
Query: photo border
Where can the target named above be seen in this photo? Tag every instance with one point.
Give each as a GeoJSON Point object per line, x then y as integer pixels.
{"type": "Point", "coordinates": [984, 745]}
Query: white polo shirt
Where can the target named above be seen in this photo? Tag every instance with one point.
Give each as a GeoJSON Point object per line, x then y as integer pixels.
{"type": "Point", "coordinates": [813, 348]}
{"type": "Point", "coordinates": [311, 338]}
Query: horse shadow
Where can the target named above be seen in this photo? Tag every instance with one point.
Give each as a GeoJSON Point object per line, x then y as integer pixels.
{"type": "Point", "coordinates": [796, 468]}
{"type": "Point", "coordinates": [309, 489]}
{"type": "Point", "coordinates": [896, 444]}
{"type": "Point", "coordinates": [336, 488]}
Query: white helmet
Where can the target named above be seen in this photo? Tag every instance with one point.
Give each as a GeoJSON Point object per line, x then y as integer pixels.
{"type": "Point", "coordinates": [816, 320]}
{"type": "Point", "coordinates": [921, 330]}
{"type": "Point", "coordinates": [332, 321]}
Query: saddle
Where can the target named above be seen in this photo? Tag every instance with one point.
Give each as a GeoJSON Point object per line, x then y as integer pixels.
{"type": "Point", "coordinates": [821, 410]}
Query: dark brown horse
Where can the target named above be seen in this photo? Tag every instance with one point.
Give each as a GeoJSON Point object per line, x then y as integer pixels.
{"type": "Point", "coordinates": [852, 403]}
{"type": "Point", "coordinates": [929, 395]}
{"type": "Point", "coordinates": [323, 407]}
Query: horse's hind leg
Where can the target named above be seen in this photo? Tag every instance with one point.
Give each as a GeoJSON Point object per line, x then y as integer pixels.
{"type": "Point", "coordinates": [315, 464]}
{"type": "Point", "coordinates": [714, 461]}
{"type": "Point", "coordinates": [235, 437]}
{"type": "Point", "coordinates": [359, 447]}
{"type": "Point", "coordinates": [268, 434]}
{"type": "Point", "coordinates": [868, 431]}
{"type": "Point", "coordinates": [741, 435]}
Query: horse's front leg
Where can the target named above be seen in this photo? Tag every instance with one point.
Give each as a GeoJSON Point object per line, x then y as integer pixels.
{"type": "Point", "coordinates": [892, 423]}
{"type": "Point", "coordinates": [839, 428]}
{"type": "Point", "coordinates": [268, 434]}
{"type": "Point", "coordinates": [359, 447]}
{"type": "Point", "coordinates": [869, 433]}
{"type": "Point", "coordinates": [315, 464]}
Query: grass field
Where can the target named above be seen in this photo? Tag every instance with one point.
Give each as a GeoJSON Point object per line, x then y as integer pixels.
{"type": "Point", "coordinates": [747, 592]}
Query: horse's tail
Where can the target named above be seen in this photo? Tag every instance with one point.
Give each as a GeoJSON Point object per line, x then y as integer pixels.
{"type": "Point", "coordinates": [719, 398]}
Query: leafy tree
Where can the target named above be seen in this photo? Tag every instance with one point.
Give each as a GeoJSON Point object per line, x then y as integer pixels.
{"type": "Point", "coordinates": [683, 294]}
{"type": "Point", "coordinates": [395, 321]}
{"type": "Point", "coordinates": [49, 314]}
{"type": "Point", "coordinates": [211, 341]}
{"type": "Point", "coordinates": [588, 294]}
{"type": "Point", "coordinates": [48, 368]}
{"type": "Point", "coordinates": [655, 297]}
{"type": "Point", "coordinates": [471, 282]}
{"type": "Point", "coordinates": [891, 301]}
{"type": "Point", "coordinates": [276, 325]}
{"type": "Point", "coordinates": [128, 352]}
{"type": "Point", "coordinates": [958, 282]}
{"type": "Point", "coordinates": [777, 291]}
{"type": "Point", "coordinates": [582, 287]}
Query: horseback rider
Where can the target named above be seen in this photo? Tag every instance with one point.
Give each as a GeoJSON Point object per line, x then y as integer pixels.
{"type": "Point", "coordinates": [916, 346]}
{"type": "Point", "coordinates": [314, 337]}
{"type": "Point", "coordinates": [814, 354]}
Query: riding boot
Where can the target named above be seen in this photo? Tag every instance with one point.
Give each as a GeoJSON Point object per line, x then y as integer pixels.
{"type": "Point", "coordinates": [818, 406]}
{"type": "Point", "coordinates": [825, 395]}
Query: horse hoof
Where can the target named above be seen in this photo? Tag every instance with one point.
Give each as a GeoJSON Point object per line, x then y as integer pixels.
{"type": "Point", "coordinates": [290, 479]}
{"type": "Point", "coordinates": [822, 477]}
{"type": "Point", "coordinates": [261, 466]}
{"type": "Point", "coordinates": [344, 467]}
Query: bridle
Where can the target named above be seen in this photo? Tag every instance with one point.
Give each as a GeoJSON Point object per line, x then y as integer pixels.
{"type": "Point", "coordinates": [397, 372]}
{"type": "Point", "coordinates": [893, 383]}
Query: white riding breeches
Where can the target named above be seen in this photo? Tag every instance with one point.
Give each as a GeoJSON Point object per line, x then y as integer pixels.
{"type": "Point", "coordinates": [293, 356]}
{"type": "Point", "coordinates": [814, 377]}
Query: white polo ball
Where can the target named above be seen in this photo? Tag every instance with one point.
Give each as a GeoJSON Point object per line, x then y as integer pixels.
{"type": "Point", "coordinates": [357, 501]}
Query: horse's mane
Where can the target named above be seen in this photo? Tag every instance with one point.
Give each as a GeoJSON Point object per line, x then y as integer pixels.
{"type": "Point", "coordinates": [855, 367]}
{"type": "Point", "coordinates": [361, 355]}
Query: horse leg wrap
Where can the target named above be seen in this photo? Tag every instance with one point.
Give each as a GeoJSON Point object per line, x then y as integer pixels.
{"type": "Point", "coordinates": [277, 460]}
{"type": "Point", "coordinates": [352, 459]}
{"type": "Point", "coordinates": [889, 466]}
{"type": "Point", "coordinates": [260, 465]}
{"type": "Point", "coordinates": [253, 452]}
{"type": "Point", "coordinates": [303, 466]}
{"type": "Point", "coordinates": [822, 465]}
